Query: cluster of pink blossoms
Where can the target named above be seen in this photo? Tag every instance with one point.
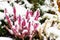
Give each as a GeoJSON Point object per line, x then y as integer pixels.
{"type": "Point", "coordinates": [22, 26]}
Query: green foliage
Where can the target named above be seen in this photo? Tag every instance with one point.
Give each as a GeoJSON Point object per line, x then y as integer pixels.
{"type": "Point", "coordinates": [35, 6]}
{"type": "Point", "coordinates": [41, 2]}
{"type": "Point", "coordinates": [51, 12]}
{"type": "Point", "coordinates": [33, 1]}
{"type": "Point", "coordinates": [43, 20]}
{"type": "Point", "coordinates": [2, 32]}
{"type": "Point", "coordinates": [36, 3]}
{"type": "Point", "coordinates": [1, 10]}
{"type": "Point", "coordinates": [17, 38]}
{"type": "Point", "coordinates": [17, 1]}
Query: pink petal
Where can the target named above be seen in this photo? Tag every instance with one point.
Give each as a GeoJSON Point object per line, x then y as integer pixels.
{"type": "Point", "coordinates": [29, 24]}
{"type": "Point", "coordinates": [15, 26]}
{"type": "Point", "coordinates": [37, 15]}
{"type": "Point", "coordinates": [27, 15]}
{"type": "Point", "coordinates": [30, 37]}
{"type": "Point", "coordinates": [19, 21]}
{"type": "Point", "coordinates": [5, 10]}
{"type": "Point", "coordinates": [23, 23]}
{"type": "Point", "coordinates": [14, 11]}
{"type": "Point", "coordinates": [15, 32]}
{"type": "Point", "coordinates": [35, 26]}
{"type": "Point", "coordinates": [31, 13]}
{"type": "Point", "coordinates": [9, 21]}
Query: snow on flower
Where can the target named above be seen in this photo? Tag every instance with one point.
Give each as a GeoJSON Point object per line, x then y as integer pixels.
{"type": "Point", "coordinates": [23, 25]}
{"type": "Point", "coordinates": [2, 15]}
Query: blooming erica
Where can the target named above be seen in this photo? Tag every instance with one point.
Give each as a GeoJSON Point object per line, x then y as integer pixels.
{"type": "Point", "coordinates": [22, 26]}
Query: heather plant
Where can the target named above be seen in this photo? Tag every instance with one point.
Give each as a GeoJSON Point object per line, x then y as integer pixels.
{"type": "Point", "coordinates": [22, 26]}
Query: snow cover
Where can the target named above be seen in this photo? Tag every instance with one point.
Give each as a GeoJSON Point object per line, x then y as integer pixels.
{"type": "Point", "coordinates": [2, 15]}
{"type": "Point", "coordinates": [5, 38]}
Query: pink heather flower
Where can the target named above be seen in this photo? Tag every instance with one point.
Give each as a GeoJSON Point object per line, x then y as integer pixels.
{"type": "Point", "coordinates": [23, 26]}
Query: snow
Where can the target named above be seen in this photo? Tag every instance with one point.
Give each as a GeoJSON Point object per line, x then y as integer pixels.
{"type": "Point", "coordinates": [20, 9]}
{"type": "Point", "coordinates": [44, 8]}
{"type": "Point", "coordinates": [47, 2]}
{"type": "Point", "coordinates": [50, 16]}
{"type": "Point", "coordinates": [4, 5]}
{"type": "Point", "coordinates": [2, 15]}
{"type": "Point", "coordinates": [0, 22]}
{"type": "Point", "coordinates": [58, 38]}
{"type": "Point", "coordinates": [5, 38]}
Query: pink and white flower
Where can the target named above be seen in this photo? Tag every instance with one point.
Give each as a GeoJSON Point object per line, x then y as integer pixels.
{"type": "Point", "coordinates": [22, 26]}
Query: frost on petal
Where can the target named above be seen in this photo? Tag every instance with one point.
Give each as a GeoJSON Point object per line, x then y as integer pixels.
{"type": "Point", "coordinates": [25, 31]}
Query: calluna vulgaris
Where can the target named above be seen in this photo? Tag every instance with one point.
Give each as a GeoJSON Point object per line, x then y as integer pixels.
{"type": "Point", "coordinates": [22, 26]}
